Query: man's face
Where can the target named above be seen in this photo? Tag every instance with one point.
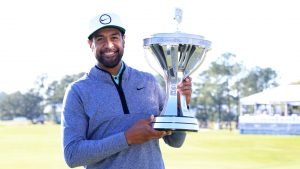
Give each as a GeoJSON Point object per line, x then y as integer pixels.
{"type": "Point", "coordinates": [108, 47]}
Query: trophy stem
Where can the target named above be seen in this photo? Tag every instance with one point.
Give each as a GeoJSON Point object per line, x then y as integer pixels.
{"type": "Point", "coordinates": [170, 108]}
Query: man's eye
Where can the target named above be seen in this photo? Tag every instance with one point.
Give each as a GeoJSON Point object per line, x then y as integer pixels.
{"type": "Point", "coordinates": [115, 38]}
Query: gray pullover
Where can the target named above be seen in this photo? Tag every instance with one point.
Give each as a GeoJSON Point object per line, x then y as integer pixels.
{"type": "Point", "coordinates": [96, 114]}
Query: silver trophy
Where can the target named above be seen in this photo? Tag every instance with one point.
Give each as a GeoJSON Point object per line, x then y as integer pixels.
{"type": "Point", "coordinates": [177, 56]}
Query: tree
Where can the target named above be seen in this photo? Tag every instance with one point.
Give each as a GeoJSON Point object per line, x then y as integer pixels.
{"type": "Point", "coordinates": [219, 88]}
{"type": "Point", "coordinates": [215, 87]}
{"type": "Point", "coordinates": [24, 105]}
{"type": "Point", "coordinates": [55, 94]}
{"type": "Point", "coordinates": [32, 103]}
{"type": "Point", "coordinates": [9, 106]}
{"type": "Point", "coordinates": [56, 90]}
{"type": "Point", "coordinates": [257, 80]}
{"type": "Point", "coordinates": [2, 95]}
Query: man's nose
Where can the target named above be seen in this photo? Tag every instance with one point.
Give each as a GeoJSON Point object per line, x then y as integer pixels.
{"type": "Point", "coordinates": [108, 43]}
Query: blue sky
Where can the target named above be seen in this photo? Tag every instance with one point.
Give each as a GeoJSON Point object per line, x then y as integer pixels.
{"type": "Point", "coordinates": [49, 37]}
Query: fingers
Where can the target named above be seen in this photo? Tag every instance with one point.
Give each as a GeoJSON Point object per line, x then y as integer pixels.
{"type": "Point", "coordinates": [185, 85]}
{"type": "Point", "coordinates": [147, 121]}
{"type": "Point", "coordinates": [185, 88]}
{"type": "Point", "coordinates": [151, 118]}
{"type": "Point", "coordinates": [142, 132]}
{"type": "Point", "coordinates": [168, 133]}
{"type": "Point", "coordinates": [160, 134]}
{"type": "Point", "coordinates": [187, 79]}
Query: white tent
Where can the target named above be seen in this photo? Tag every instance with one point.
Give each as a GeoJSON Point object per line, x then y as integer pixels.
{"type": "Point", "coordinates": [287, 94]}
{"type": "Point", "coordinates": [281, 94]}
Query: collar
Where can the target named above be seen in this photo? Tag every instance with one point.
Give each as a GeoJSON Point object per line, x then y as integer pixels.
{"type": "Point", "coordinates": [97, 73]}
{"type": "Point", "coordinates": [117, 77]}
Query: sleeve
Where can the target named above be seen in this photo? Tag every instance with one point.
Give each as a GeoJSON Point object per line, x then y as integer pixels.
{"type": "Point", "coordinates": [176, 139]}
{"type": "Point", "coordinates": [78, 151]}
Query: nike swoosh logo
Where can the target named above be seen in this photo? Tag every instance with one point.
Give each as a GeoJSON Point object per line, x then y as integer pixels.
{"type": "Point", "coordinates": [140, 88]}
{"type": "Point", "coordinates": [103, 19]}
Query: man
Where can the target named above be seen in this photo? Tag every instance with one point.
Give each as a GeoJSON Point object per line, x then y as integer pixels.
{"type": "Point", "coordinates": [107, 114]}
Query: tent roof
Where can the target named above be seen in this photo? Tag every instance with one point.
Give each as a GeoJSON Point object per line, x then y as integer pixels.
{"type": "Point", "coordinates": [281, 94]}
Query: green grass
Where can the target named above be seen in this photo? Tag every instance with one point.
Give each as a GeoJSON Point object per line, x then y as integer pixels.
{"type": "Point", "coordinates": [230, 150]}
{"type": "Point", "coordinates": [38, 146]}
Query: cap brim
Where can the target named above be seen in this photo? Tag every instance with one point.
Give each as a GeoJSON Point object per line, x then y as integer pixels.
{"type": "Point", "coordinates": [122, 30]}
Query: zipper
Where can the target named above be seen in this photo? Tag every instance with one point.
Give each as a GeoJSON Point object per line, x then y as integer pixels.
{"type": "Point", "coordinates": [119, 89]}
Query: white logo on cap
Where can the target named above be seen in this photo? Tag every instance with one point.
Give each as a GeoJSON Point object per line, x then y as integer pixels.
{"type": "Point", "coordinates": [105, 19]}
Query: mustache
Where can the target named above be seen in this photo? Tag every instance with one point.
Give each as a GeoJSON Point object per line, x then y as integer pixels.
{"type": "Point", "coordinates": [109, 50]}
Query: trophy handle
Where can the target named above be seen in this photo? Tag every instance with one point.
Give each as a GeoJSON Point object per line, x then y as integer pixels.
{"type": "Point", "coordinates": [183, 108]}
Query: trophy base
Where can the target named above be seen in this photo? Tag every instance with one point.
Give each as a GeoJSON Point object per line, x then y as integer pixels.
{"type": "Point", "coordinates": [176, 123]}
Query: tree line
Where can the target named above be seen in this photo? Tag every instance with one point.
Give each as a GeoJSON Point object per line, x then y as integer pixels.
{"type": "Point", "coordinates": [32, 103]}
{"type": "Point", "coordinates": [216, 93]}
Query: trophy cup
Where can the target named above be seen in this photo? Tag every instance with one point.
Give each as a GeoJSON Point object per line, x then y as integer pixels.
{"type": "Point", "coordinates": [178, 55]}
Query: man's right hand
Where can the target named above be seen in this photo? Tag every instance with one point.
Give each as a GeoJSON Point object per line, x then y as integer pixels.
{"type": "Point", "coordinates": [142, 131]}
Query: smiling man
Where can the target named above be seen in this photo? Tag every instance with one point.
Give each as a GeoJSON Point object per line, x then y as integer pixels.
{"type": "Point", "coordinates": [107, 114]}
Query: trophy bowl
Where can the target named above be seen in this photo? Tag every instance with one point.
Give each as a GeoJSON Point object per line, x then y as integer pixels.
{"type": "Point", "coordinates": [177, 55]}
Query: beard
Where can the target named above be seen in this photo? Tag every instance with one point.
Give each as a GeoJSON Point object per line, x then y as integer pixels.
{"type": "Point", "coordinates": [109, 61]}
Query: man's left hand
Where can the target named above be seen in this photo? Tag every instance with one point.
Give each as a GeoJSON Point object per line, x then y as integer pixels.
{"type": "Point", "coordinates": [185, 88]}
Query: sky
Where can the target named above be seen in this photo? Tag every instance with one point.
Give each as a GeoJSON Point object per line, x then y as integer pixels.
{"type": "Point", "coordinates": [43, 37]}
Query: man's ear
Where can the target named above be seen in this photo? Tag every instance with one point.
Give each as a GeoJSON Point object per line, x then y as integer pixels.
{"type": "Point", "coordinates": [90, 42]}
{"type": "Point", "coordinates": [123, 40]}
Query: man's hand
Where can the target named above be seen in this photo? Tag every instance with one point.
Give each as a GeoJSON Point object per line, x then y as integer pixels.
{"type": "Point", "coordinates": [142, 132]}
{"type": "Point", "coordinates": [185, 88]}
